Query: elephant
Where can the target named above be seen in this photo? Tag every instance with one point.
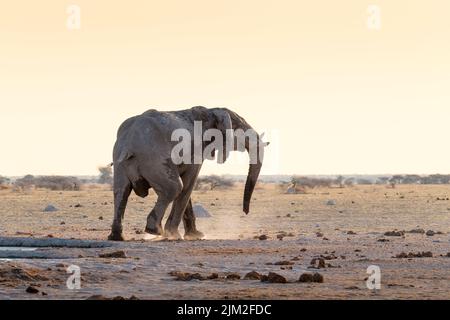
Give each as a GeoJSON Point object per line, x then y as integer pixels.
{"type": "Point", "coordinates": [142, 159]}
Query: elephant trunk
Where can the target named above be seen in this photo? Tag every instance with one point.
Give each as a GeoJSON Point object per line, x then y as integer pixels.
{"type": "Point", "coordinates": [252, 177]}
{"type": "Point", "coordinates": [256, 156]}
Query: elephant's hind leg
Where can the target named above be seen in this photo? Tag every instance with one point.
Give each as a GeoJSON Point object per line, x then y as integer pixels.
{"type": "Point", "coordinates": [122, 190]}
{"type": "Point", "coordinates": [181, 202]}
{"type": "Point", "coordinates": [190, 229]}
{"type": "Point", "coordinates": [167, 190]}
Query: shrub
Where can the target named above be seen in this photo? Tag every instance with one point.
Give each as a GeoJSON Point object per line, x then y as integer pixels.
{"type": "Point", "coordinates": [4, 181]}
{"type": "Point", "coordinates": [105, 176]}
{"type": "Point", "coordinates": [49, 182]}
{"type": "Point", "coordinates": [311, 182]}
{"type": "Point", "coordinates": [213, 181]}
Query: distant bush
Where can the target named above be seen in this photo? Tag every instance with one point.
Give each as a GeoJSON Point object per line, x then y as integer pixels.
{"type": "Point", "coordinates": [105, 176]}
{"type": "Point", "coordinates": [61, 183]}
{"type": "Point", "coordinates": [311, 182]}
{"type": "Point", "coordinates": [4, 181]}
{"type": "Point", "coordinates": [212, 182]}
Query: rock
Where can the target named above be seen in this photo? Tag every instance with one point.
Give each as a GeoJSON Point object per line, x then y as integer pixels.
{"type": "Point", "coordinates": [308, 277]}
{"type": "Point", "coordinates": [319, 234]}
{"type": "Point", "coordinates": [318, 263]}
{"type": "Point", "coordinates": [32, 290]}
{"type": "Point", "coordinates": [186, 276]}
{"type": "Point", "coordinates": [448, 254]}
{"type": "Point", "coordinates": [273, 277]}
{"type": "Point", "coordinates": [423, 254]}
{"type": "Point", "coordinates": [421, 231]}
{"type": "Point", "coordinates": [317, 277]}
{"type": "Point", "coordinates": [331, 202]}
{"type": "Point", "coordinates": [351, 232]}
{"type": "Point", "coordinates": [394, 233]}
{"type": "Point", "coordinates": [233, 276]}
{"type": "Point", "coordinates": [253, 275]}
{"type": "Point", "coordinates": [213, 276]}
{"type": "Point", "coordinates": [430, 233]}
{"type": "Point", "coordinates": [78, 205]}
{"type": "Point", "coordinates": [100, 218]}
{"type": "Point", "coordinates": [263, 237]}
{"type": "Point", "coordinates": [200, 211]}
{"type": "Point", "coordinates": [115, 254]}
{"type": "Point", "coordinates": [50, 208]}
{"type": "Point", "coordinates": [280, 236]}
{"type": "Point", "coordinates": [283, 263]}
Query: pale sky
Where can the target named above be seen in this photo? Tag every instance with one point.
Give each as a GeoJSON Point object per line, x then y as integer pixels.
{"type": "Point", "coordinates": [334, 96]}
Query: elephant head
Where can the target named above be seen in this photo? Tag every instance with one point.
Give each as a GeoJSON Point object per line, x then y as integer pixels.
{"type": "Point", "coordinates": [252, 142]}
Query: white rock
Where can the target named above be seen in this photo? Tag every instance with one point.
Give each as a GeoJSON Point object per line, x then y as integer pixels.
{"type": "Point", "coordinates": [200, 212]}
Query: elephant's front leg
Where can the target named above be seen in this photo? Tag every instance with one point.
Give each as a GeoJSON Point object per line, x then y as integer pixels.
{"type": "Point", "coordinates": [181, 202]}
{"type": "Point", "coordinates": [190, 229]}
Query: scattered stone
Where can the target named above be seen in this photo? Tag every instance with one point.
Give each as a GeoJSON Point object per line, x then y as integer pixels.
{"type": "Point", "coordinates": [383, 240]}
{"type": "Point", "coordinates": [253, 275]}
{"type": "Point", "coordinates": [318, 263]}
{"type": "Point", "coordinates": [78, 205]}
{"type": "Point", "coordinates": [213, 276]}
{"type": "Point", "coordinates": [302, 249]}
{"type": "Point", "coordinates": [273, 277]}
{"type": "Point", "coordinates": [200, 211]}
{"type": "Point", "coordinates": [280, 237]}
{"type": "Point", "coordinates": [233, 276]}
{"type": "Point", "coordinates": [283, 263]}
{"type": "Point", "coordinates": [62, 223]}
{"type": "Point", "coordinates": [50, 208]}
{"type": "Point", "coordinates": [423, 254]}
{"type": "Point", "coordinates": [288, 215]}
{"type": "Point", "coordinates": [263, 237]}
{"type": "Point", "coordinates": [116, 254]}
{"type": "Point", "coordinates": [394, 233]}
{"type": "Point", "coordinates": [100, 218]}
{"type": "Point", "coordinates": [186, 276]}
{"type": "Point", "coordinates": [308, 277]}
{"type": "Point", "coordinates": [319, 234]}
{"type": "Point", "coordinates": [351, 232]}
{"type": "Point", "coordinates": [420, 231]}
{"type": "Point", "coordinates": [32, 290]}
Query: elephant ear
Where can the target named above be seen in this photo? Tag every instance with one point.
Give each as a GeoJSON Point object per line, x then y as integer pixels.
{"type": "Point", "coordinates": [224, 124]}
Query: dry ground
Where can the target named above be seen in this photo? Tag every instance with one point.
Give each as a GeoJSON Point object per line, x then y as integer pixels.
{"type": "Point", "coordinates": [367, 211]}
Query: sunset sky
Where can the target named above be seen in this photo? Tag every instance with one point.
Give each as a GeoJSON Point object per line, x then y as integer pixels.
{"type": "Point", "coordinates": [333, 95]}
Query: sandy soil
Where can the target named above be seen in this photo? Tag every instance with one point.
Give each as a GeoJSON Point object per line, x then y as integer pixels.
{"type": "Point", "coordinates": [313, 229]}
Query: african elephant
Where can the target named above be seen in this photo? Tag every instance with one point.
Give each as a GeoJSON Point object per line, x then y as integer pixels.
{"type": "Point", "coordinates": [142, 159]}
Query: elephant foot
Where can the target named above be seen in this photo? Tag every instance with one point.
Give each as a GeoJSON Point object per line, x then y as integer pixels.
{"type": "Point", "coordinates": [172, 235]}
{"type": "Point", "coordinates": [155, 230]}
{"type": "Point", "coordinates": [114, 236]}
{"type": "Point", "coordinates": [194, 235]}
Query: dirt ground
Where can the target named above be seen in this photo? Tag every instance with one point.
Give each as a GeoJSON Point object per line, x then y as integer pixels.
{"type": "Point", "coordinates": [348, 234]}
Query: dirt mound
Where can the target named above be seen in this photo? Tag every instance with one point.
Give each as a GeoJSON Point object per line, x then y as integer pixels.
{"type": "Point", "coordinates": [13, 274]}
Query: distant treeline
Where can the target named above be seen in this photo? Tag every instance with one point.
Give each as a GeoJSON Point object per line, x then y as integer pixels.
{"type": "Point", "coordinates": [342, 181]}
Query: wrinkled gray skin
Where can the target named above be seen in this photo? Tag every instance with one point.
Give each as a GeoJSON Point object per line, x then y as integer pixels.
{"type": "Point", "coordinates": [142, 160]}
